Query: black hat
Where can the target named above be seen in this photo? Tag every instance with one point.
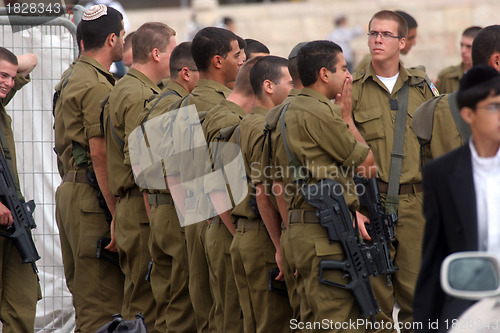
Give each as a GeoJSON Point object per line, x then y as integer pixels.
{"type": "Point", "coordinates": [295, 51]}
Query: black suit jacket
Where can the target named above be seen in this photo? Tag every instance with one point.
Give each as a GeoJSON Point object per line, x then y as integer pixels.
{"type": "Point", "coordinates": [451, 226]}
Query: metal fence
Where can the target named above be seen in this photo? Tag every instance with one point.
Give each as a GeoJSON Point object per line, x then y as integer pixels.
{"type": "Point", "coordinates": [52, 40]}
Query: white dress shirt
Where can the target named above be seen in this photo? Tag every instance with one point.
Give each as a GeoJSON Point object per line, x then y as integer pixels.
{"type": "Point", "coordinates": [486, 175]}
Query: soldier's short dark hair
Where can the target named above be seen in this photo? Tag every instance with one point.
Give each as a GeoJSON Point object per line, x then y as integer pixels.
{"type": "Point", "coordinates": [471, 32]}
{"type": "Point", "coordinates": [149, 36]}
{"type": "Point", "coordinates": [410, 20]}
{"type": "Point", "coordinates": [315, 55]}
{"type": "Point", "coordinates": [209, 42]}
{"type": "Point", "coordinates": [392, 16]}
{"type": "Point", "coordinates": [181, 57]}
{"type": "Point", "coordinates": [8, 56]}
{"type": "Point", "coordinates": [477, 84]}
{"type": "Point", "coordinates": [485, 44]}
{"type": "Point", "coordinates": [254, 46]}
{"type": "Point", "coordinates": [267, 68]}
{"type": "Point", "coordinates": [95, 32]}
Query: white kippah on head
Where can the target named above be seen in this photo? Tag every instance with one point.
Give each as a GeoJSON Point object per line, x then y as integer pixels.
{"type": "Point", "coordinates": [95, 12]}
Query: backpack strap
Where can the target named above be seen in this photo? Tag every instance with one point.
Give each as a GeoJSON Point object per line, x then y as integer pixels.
{"type": "Point", "coordinates": [294, 165]}
{"type": "Point", "coordinates": [462, 126]}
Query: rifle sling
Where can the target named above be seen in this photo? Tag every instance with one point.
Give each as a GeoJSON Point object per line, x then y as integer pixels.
{"type": "Point", "coordinates": [398, 145]}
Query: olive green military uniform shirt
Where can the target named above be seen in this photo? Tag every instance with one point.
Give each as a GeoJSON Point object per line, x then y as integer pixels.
{"type": "Point", "coordinates": [88, 84]}
{"type": "Point", "coordinates": [157, 106]}
{"type": "Point", "coordinates": [376, 121]}
{"type": "Point", "coordinates": [161, 102]}
{"type": "Point", "coordinates": [204, 97]}
{"type": "Point", "coordinates": [321, 141]}
{"type": "Point", "coordinates": [223, 115]}
{"type": "Point", "coordinates": [6, 123]}
{"type": "Point", "coordinates": [251, 139]}
{"type": "Point", "coordinates": [59, 125]}
{"type": "Point", "coordinates": [271, 161]}
{"type": "Point", "coordinates": [449, 79]}
{"type": "Point", "coordinates": [125, 103]}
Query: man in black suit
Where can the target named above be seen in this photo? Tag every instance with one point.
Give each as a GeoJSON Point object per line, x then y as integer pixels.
{"type": "Point", "coordinates": [460, 199]}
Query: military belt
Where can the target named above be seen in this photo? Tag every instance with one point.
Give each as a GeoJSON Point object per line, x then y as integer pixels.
{"type": "Point", "coordinates": [403, 188]}
{"type": "Point", "coordinates": [243, 224]}
{"type": "Point", "coordinates": [75, 177]}
{"type": "Point", "coordinates": [159, 199]}
{"type": "Point", "coordinates": [302, 216]}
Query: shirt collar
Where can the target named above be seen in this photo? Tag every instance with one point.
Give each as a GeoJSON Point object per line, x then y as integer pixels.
{"type": "Point", "coordinates": [483, 162]}
{"type": "Point", "coordinates": [144, 79]}
{"type": "Point", "coordinates": [98, 66]}
{"type": "Point", "coordinates": [214, 85]}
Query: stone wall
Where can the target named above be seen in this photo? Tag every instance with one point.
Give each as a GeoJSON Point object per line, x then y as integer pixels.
{"type": "Point", "coordinates": [282, 25]}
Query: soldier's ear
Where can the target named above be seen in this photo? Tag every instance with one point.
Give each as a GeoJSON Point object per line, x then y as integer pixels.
{"type": "Point", "coordinates": [324, 74]}
{"type": "Point", "coordinates": [494, 61]}
{"type": "Point", "coordinates": [467, 114]}
{"type": "Point", "coordinates": [268, 86]}
{"type": "Point", "coordinates": [402, 43]}
{"type": "Point", "coordinates": [155, 54]}
{"type": "Point", "coordinates": [217, 61]}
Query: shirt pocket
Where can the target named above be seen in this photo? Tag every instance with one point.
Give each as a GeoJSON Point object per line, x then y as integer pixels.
{"type": "Point", "coordinates": [369, 123]}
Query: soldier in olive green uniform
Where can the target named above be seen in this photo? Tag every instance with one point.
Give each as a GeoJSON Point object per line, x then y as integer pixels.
{"type": "Point", "coordinates": [167, 244]}
{"type": "Point", "coordinates": [449, 77]}
{"type": "Point", "coordinates": [326, 146]}
{"type": "Point", "coordinates": [217, 56]}
{"type": "Point", "coordinates": [219, 234]}
{"type": "Point", "coordinates": [126, 102]}
{"type": "Point", "coordinates": [378, 95]}
{"type": "Point", "coordinates": [97, 286]}
{"type": "Point", "coordinates": [253, 250]}
{"type": "Point", "coordinates": [437, 122]}
{"type": "Point", "coordinates": [19, 287]}
{"type": "Point", "coordinates": [57, 100]}
{"type": "Point", "coordinates": [271, 178]}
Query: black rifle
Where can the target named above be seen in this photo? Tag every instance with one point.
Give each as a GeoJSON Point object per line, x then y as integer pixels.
{"type": "Point", "coordinates": [331, 208]}
{"type": "Point", "coordinates": [22, 213]}
{"type": "Point", "coordinates": [381, 227]}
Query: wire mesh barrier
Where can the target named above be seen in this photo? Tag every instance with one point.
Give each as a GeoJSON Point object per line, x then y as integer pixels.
{"type": "Point", "coordinates": [53, 42]}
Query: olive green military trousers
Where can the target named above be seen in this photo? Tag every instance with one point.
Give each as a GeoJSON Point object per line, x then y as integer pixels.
{"type": "Point", "coordinates": [169, 275]}
{"type": "Point", "coordinates": [253, 256]}
{"type": "Point", "coordinates": [96, 285]}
